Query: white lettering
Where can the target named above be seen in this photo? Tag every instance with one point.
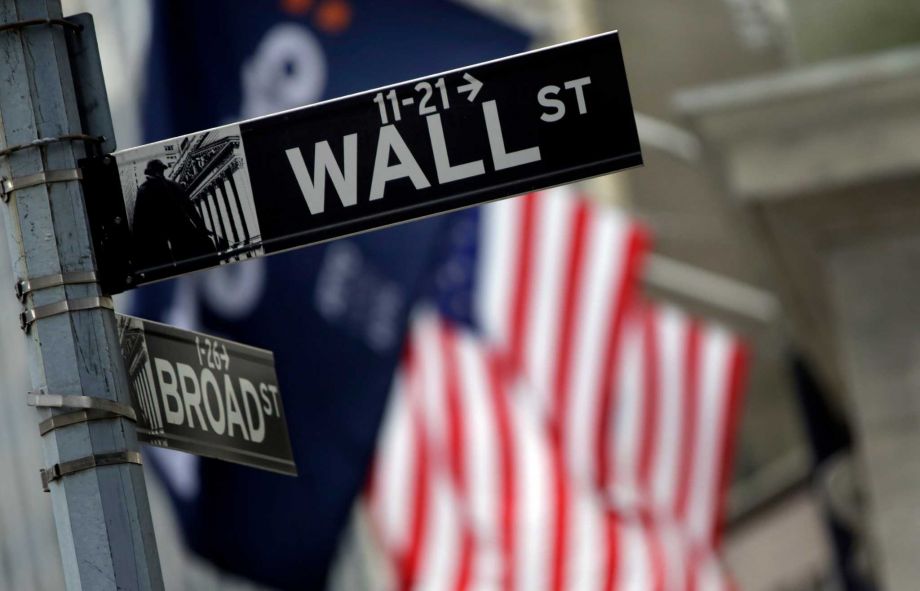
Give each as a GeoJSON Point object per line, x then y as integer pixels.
{"type": "Point", "coordinates": [234, 416]}
{"type": "Point", "coordinates": [249, 393]}
{"type": "Point", "coordinates": [390, 139]}
{"type": "Point", "coordinates": [166, 378]}
{"type": "Point", "coordinates": [500, 157]}
{"type": "Point", "coordinates": [324, 163]}
{"type": "Point", "coordinates": [191, 394]}
{"type": "Point", "coordinates": [545, 100]}
{"type": "Point", "coordinates": [446, 172]}
{"type": "Point", "coordinates": [274, 391]}
{"type": "Point", "coordinates": [218, 421]}
{"type": "Point", "coordinates": [266, 401]}
{"type": "Point", "coordinates": [579, 92]}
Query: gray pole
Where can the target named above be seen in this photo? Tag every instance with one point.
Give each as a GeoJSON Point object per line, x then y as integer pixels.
{"type": "Point", "coordinates": [102, 514]}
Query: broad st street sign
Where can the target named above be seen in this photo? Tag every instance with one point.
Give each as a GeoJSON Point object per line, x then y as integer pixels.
{"type": "Point", "coordinates": [353, 164]}
{"type": "Point", "coordinates": [205, 395]}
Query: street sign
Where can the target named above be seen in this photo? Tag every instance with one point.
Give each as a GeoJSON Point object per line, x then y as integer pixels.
{"type": "Point", "coordinates": [205, 395]}
{"type": "Point", "coordinates": [385, 156]}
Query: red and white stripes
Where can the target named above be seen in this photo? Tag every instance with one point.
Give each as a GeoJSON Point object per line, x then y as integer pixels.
{"type": "Point", "coordinates": [677, 395]}
{"type": "Point", "coordinates": [581, 441]}
{"type": "Point", "coordinates": [466, 493]}
{"type": "Point", "coordinates": [556, 278]}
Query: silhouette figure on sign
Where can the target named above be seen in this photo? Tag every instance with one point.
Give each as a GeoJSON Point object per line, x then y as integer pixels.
{"type": "Point", "coordinates": [167, 227]}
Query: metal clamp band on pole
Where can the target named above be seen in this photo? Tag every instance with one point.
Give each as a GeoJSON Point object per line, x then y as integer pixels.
{"type": "Point", "coordinates": [27, 318]}
{"type": "Point", "coordinates": [38, 22]}
{"type": "Point", "coordinates": [44, 141]}
{"type": "Point", "coordinates": [78, 416]}
{"type": "Point", "coordinates": [41, 400]}
{"type": "Point", "coordinates": [58, 471]}
{"type": "Point", "coordinates": [26, 286]}
{"type": "Point", "coordinates": [60, 84]}
{"type": "Point", "coordinates": [7, 186]}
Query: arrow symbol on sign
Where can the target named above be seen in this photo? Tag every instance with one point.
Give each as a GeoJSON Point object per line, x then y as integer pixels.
{"type": "Point", "coordinates": [472, 88]}
{"type": "Point", "coordinates": [226, 358]}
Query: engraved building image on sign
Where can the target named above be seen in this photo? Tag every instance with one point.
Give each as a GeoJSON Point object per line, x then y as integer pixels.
{"type": "Point", "coordinates": [140, 378]}
{"type": "Point", "coordinates": [189, 197]}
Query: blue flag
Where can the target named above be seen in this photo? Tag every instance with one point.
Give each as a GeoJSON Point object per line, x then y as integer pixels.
{"type": "Point", "coordinates": [333, 314]}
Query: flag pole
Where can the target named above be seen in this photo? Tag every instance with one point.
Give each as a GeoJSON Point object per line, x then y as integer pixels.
{"type": "Point", "coordinates": [79, 384]}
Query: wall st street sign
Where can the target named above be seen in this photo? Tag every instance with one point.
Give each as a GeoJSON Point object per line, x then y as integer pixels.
{"type": "Point", "coordinates": [205, 395]}
{"type": "Point", "coordinates": [353, 164]}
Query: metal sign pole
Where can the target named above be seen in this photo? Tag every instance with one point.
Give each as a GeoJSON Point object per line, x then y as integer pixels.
{"type": "Point", "coordinates": [92, 466]}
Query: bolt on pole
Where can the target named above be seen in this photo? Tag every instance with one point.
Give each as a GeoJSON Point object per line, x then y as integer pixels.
{"type": "Point", "coordinates": [91, 467]}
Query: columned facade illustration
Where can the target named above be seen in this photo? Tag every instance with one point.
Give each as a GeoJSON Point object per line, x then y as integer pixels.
{"type": "Point", "coordinates": [205, 167]}
{"type": "Point", "coordinates": [134, 350]}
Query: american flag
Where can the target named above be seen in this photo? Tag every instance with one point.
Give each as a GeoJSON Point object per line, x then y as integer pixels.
{"type": "Point", "coordinates": [547, 429]}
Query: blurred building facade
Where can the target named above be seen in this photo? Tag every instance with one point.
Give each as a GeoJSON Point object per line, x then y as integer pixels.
{"type": "Point", "coordinates": [763, 215]}
{"type": "Point", "coordinates": [785, 212]}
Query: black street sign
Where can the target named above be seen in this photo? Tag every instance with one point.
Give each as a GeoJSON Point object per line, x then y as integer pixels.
{"type": "Point", "coordinates": [353, 164]}
{"type": "Point", "coordinates": [204, 395]}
